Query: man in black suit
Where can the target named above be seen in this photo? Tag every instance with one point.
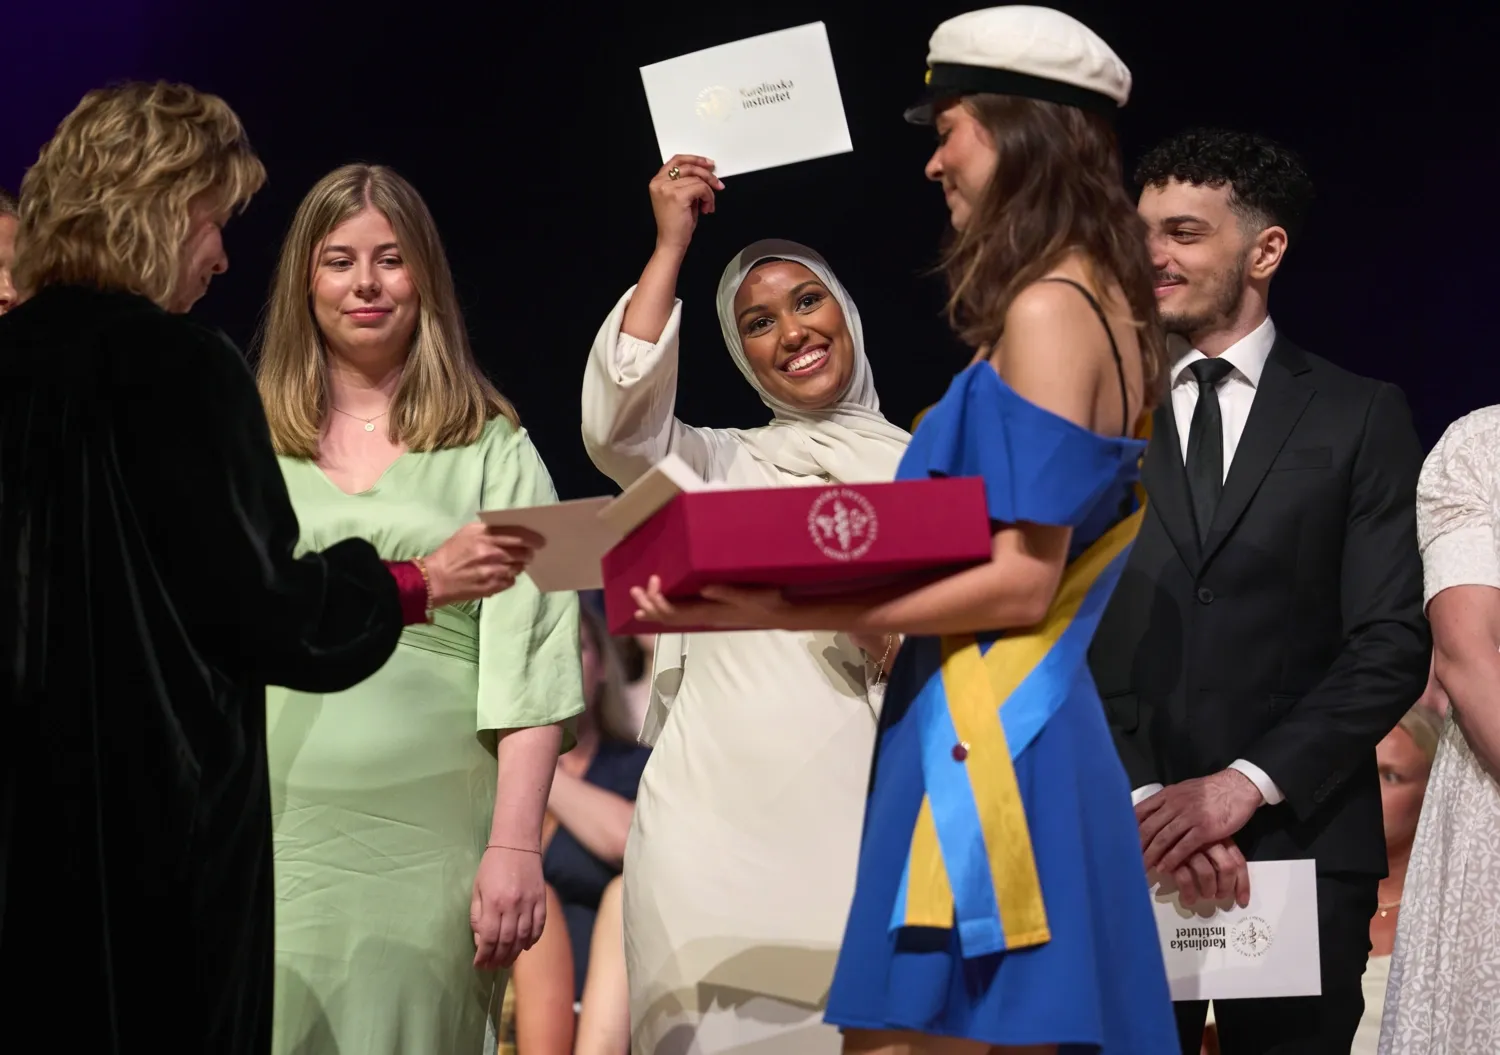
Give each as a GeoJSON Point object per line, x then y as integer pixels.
{"type": "Point", "coordinates": [1268, 629]}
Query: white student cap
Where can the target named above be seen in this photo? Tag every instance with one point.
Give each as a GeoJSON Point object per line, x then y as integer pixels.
{"type": "Point", "coordinates": [1020, 50]}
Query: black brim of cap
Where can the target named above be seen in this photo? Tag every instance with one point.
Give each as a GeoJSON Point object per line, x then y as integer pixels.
{"type": "Point", "coordinates": [951, 80]}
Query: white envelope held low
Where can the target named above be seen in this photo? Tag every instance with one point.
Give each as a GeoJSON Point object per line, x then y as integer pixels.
{"type": "Point", "coordinates": [755, 104]}
{"type": "Point", "coordinates": [1269, 949]}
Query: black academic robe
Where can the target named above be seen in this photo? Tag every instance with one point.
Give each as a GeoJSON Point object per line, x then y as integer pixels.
{"type": "Point", "coordinates": [148, 594]}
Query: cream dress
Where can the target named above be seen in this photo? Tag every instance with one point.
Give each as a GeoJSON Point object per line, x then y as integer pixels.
{"type": "Point", "coordinates": [1444, 992]}
{"type": "Point", "coordinates": [740, 863]}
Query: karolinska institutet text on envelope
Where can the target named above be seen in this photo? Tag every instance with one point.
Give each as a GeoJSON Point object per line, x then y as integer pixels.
{"type": "Point", "coordinates": [1250, 937]}
{"type": "Point", "coordinates": [753, 104]}
{"type": "Point", "coordinates": [1224, 952]}
{"type": "Point", "coordinates": [717, 104]}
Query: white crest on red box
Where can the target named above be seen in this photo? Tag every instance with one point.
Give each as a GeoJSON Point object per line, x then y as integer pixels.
{"type": "Point", "coordinates": [842, 524]}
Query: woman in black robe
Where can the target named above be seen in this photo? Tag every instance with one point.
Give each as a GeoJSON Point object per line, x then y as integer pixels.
{"type": "Point", "coordinates": [148, 594]}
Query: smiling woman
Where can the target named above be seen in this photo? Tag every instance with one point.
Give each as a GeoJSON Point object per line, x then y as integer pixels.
{"type": "Point", "coordinates": [793, 334]}
{"type": "Point", "coordinates": [150, 591]}
{"type": "Point", "coordinates": [740, 861]}
{"type": "Point", "coordinates": [407, 810]}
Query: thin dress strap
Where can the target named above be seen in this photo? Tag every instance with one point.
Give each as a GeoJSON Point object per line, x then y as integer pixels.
{"type": "Point", "coordinates": [1113, 347]}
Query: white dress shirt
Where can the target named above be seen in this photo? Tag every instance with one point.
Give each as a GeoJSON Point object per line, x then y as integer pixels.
{"type": "Point", "coordinates": [1248, 356]}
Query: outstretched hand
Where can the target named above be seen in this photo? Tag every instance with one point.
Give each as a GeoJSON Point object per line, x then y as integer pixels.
{"type": "Point", "coordinates": [722, 606]}
{"type": "Point", "coordinates": [479, 561]}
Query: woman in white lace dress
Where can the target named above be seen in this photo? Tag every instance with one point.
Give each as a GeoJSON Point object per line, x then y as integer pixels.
{"type": "Point", "coordinates": [1444, 992]}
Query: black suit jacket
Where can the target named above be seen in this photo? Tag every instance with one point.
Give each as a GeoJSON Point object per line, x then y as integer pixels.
{"type": "Point", "coordinates": [1295, 637]}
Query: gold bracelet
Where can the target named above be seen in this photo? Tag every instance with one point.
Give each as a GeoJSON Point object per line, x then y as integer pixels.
{"type": "Point", "coordinates": [517, 849]}
{"type": "Point", "coordinates": [426, 585]}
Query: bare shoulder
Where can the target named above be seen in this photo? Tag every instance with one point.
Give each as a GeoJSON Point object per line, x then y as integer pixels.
{"type": "Point", "coordinates": [1055, 351]}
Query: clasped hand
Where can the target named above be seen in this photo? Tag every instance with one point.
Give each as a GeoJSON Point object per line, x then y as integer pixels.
{"type": "Point", "coordinates": [1187, 832]}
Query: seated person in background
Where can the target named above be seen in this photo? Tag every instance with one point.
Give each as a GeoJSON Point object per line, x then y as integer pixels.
{"type": "Point", "coordinates": [593, 794]}
{"type": "Point", "coordinates": [583, 839]}
{"type": "Point", "coordinates": [637, 653]}
{"type": "Point", "coordinates": [9, 221]}
{"type": "Point", "coordinates": [1405, 759]}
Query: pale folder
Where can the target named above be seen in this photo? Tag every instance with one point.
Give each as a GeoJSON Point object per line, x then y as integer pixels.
{"type": "Point", "coordinates": [755, 104]}
{"type": "Point", "coordinates": [579, 533]}
{"type": "Point", "coordinates": [1269, 949]}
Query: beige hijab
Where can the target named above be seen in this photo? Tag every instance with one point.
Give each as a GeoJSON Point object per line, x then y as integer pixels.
{"type": "Point", "coordinates": [848, 442]}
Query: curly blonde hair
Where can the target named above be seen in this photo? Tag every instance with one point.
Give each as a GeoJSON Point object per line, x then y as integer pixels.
{"type": "Point", "coordinates": [109, 201]}
{"type": "Point", "coordinates": [444, 399]}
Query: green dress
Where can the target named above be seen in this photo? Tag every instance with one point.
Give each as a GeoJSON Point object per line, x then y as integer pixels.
{"type": "Point", "coordinates": [382, 795]}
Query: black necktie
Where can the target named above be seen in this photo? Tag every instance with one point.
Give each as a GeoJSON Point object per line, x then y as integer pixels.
{"type": "Point", "coordinates": [1205, 452]}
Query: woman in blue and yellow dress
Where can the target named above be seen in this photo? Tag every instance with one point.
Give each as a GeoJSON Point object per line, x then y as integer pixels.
{"type": "Point", "coordinates": [1001, 901]}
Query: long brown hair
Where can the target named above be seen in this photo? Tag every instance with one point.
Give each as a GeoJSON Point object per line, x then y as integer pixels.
{"type": "Point", "coordinates": [443, 399]}
{"type": "Point", "coordinates": [1058, 188]}
{"type": "Point", "coordinates": [611, 710]}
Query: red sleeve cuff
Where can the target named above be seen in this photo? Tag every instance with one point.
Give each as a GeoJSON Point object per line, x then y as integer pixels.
{"type": "Point", "coordinates": [412, 587]}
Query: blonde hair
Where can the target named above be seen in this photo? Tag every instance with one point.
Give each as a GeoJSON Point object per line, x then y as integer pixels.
{"type": "Point", "coordinates": [444, 399]}
{"type": "Point", "coordinates": [1425, 728]}
{"type": "Point", "coordinates": [109, 201]}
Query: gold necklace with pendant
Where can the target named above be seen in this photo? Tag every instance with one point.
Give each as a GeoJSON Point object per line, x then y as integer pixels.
{"type": "Point", "coordinates": [369, 422]}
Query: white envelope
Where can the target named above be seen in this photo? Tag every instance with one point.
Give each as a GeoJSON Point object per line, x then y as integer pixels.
{"type": "Point", "coordinates": [1269, 949]}
{"type": "Point", "coordinates": [579, 533]}
{"type": "Point", "coordinates": [754, 104]}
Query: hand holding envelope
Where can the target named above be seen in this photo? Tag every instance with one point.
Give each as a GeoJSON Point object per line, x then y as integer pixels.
{"type": "Point", "coordinates": [682, 190]}
{"type": "Point", "coordinates": [1217, 873]}
{"type": "Point", "coordinates": [1224, 951]}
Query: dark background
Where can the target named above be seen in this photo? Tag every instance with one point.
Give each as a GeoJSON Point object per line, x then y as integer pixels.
{"type": "Point", "coordinates": [526, 129]}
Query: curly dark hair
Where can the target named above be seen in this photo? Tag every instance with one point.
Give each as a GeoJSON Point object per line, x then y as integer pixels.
{"type": "Point", "coordinates": [9, 206]}
{"type": "Point", "coordinates": [1268, 185]}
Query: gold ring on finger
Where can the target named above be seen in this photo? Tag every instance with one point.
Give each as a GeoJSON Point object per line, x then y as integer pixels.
{"type": "Point", "coordinates": [673, 172]}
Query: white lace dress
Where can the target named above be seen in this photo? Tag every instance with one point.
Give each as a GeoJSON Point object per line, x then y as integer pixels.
{"type": "Point", "coordinates": [1444, 991]}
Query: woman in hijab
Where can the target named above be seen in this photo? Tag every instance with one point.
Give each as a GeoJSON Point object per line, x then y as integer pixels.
{"type": "Point", "coordinates": [740, 863]}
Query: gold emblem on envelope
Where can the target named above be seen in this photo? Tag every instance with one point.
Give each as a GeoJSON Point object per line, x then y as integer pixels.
{"type": "Point", "coordinates": [714, 104]}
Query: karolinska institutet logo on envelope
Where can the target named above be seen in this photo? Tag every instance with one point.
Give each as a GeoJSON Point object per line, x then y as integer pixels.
{"type": "Point", "coordinates": [842, 524]}
{"type": "Point", "coordinates": [1251, 937]}
{"type": "Point", "coordinates": [717, 104]}
{"type": "Point", "coordinates": [714, 104]}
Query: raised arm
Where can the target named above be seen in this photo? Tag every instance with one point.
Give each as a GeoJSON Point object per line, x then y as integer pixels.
{"type": "Point", "coordinates": [630, 382]}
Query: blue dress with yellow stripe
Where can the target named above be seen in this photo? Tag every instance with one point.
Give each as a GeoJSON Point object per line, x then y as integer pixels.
{"type": "Point", "coordinates": [1001, 894]}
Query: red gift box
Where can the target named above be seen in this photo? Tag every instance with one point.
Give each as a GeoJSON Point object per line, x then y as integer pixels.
{"type": "Point", "coordinates": [808, 540]}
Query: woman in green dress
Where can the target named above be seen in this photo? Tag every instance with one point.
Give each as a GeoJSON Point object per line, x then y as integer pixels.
{"type": "Point", "coordinates": [407, 810]}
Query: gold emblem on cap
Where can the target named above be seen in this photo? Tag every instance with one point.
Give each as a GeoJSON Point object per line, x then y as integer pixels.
{"type": "Point", "coordinates": [927, 79]}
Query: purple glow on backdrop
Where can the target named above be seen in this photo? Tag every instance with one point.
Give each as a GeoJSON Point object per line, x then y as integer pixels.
{"type": "Point", "coordinates": [56, 50]}
{"type": "Point", "coordinates": [1381, 285]}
